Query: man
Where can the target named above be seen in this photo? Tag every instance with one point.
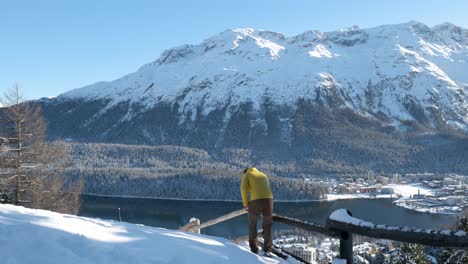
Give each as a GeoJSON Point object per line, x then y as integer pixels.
{"type": "Point", "coordinates": [261, 202]}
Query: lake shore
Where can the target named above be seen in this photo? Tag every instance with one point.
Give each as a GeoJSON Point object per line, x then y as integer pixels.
{"type": "Point", "coordinates": [401, 191]}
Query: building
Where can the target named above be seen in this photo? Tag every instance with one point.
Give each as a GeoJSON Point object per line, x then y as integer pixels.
{"type": "Point", "coordinates": [410, 177]}
{"type": "Point", "coordinates": [360, 181]}
{"type": "Point", "coordinates": [460, 178]}
{"type": "Point", "coordinates": [436, 184]}
{"type": "Point", "coordinates": [420, 176]}
{"type": "Point", "coordinates": [324, 259]}
{"type": "Point", "coordinates": [341, 188]}
{"type": "Point", "coordinates": [425, 175]}
{"type": "Point", "coordinates": [450, 181]}
{"type": "Point", "coordinates": [370, 176]}
{"type": "Point", "coordinates": [387, 190]}
{"type": "Point", "coordinates": [454, 200]}
{"type": "Point", "coordinates": [396, 178]}
{"type": "Point", "coordinates": [460, 181]}
{"type": "Point", "coordinates": [383, 180]}
{"type": "Point", "coordinates": [368, 189]}
{"type": "Point", "coordinates": [302, 251]}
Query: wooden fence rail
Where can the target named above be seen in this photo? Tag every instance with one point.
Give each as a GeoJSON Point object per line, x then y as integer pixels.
{"type": "Point", "coordinates": [342, 225]}
{"type": "Point", "coordinates": [307, 226]}
{"type": "Point", "coordinates": [192, 227]}
{"type": "Point", "coordinates": [343, 220]}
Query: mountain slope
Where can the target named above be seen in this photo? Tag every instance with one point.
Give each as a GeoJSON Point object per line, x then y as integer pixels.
{"type": "Point", "coordinates": [389, 69]}
{"type": "Point", "coordinates": [367, 97]}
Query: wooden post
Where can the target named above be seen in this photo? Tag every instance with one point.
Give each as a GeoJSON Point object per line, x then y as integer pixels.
{"type": "Point", "coordinates": [346, 247]}
{"type": "Point", "coordinates": [191, 226]}
{"type": "Point", "coordinates": [195, 222]}
{"type": "Point", "coordinates": [307, 226]}
{"type": "Point", "coordinates": [346, 244]}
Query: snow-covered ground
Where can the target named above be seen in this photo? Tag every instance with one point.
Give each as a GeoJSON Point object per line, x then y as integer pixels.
{"type": "Point", "coordinates": [39, 236]}
{"type": "Point", "coordinates": [405, 190]}
{"type": "Point", "coordinates": [434, 206]}
{"type": "Point", "coordinates": [337, 196]}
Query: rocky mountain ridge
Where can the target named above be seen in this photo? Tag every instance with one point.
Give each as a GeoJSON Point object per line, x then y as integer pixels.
{"type": "Point", "coordinates": [404, 72]}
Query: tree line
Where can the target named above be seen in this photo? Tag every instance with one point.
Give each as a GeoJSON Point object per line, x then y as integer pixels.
{"type": "Point", "coordinates": [176, 172]}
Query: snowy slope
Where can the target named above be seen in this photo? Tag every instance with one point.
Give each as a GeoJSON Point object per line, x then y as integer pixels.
{"type": "Point", "coordinates": [38, 236]}
{"type": "Point", "coordinates": [405, 72]}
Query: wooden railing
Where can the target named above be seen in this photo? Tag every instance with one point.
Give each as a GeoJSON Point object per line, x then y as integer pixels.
{"type": "Point", "coordinates": [195, 226]}
{"type": "Point", "coordinates": [341, 225]}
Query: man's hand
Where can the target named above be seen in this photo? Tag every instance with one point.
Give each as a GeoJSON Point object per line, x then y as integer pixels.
{"type": "Point", "coordinates": [246, 208]}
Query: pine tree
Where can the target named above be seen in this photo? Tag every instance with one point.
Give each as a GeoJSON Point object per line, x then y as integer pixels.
{"type": "Point", "coordinates": [409, 254]}
{"type": "Point", "coordinates": [5, 197]}
{"type": "Point", "coordinates": [455, 256]}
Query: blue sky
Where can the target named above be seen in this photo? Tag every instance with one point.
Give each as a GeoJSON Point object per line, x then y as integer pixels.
{"type": "Point", "coordinates": [50, 47]}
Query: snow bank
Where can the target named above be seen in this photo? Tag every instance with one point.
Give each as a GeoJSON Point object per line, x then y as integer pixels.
{"type": "Point", "coordinates": [38, 236]}
{"type": "Point", "coordinates": [342, 215]}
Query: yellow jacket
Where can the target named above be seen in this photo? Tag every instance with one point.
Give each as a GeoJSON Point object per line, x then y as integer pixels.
{"type": "Point", "coordinates": [256, 183]}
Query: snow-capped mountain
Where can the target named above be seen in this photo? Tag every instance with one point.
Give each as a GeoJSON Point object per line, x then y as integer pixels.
{"type": "Point", "coordinates": [342, 92]}
{"type": "Point", "coordinates": [405, 72]}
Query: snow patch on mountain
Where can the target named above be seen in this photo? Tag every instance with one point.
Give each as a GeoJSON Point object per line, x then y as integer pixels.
{"type": "Point", "coordinates": [320, 51]}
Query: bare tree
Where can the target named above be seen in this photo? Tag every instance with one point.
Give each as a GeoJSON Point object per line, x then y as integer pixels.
{"type": "Point", "coordinates": [32, 168]}
{"type": "Point", "coordinates": [24, 131]}
{"type": "Point", "coordinates": [52, 190]}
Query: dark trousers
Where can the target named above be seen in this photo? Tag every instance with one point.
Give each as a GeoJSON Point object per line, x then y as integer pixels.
{"type": "Point", "coordinates": [265, 208]}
